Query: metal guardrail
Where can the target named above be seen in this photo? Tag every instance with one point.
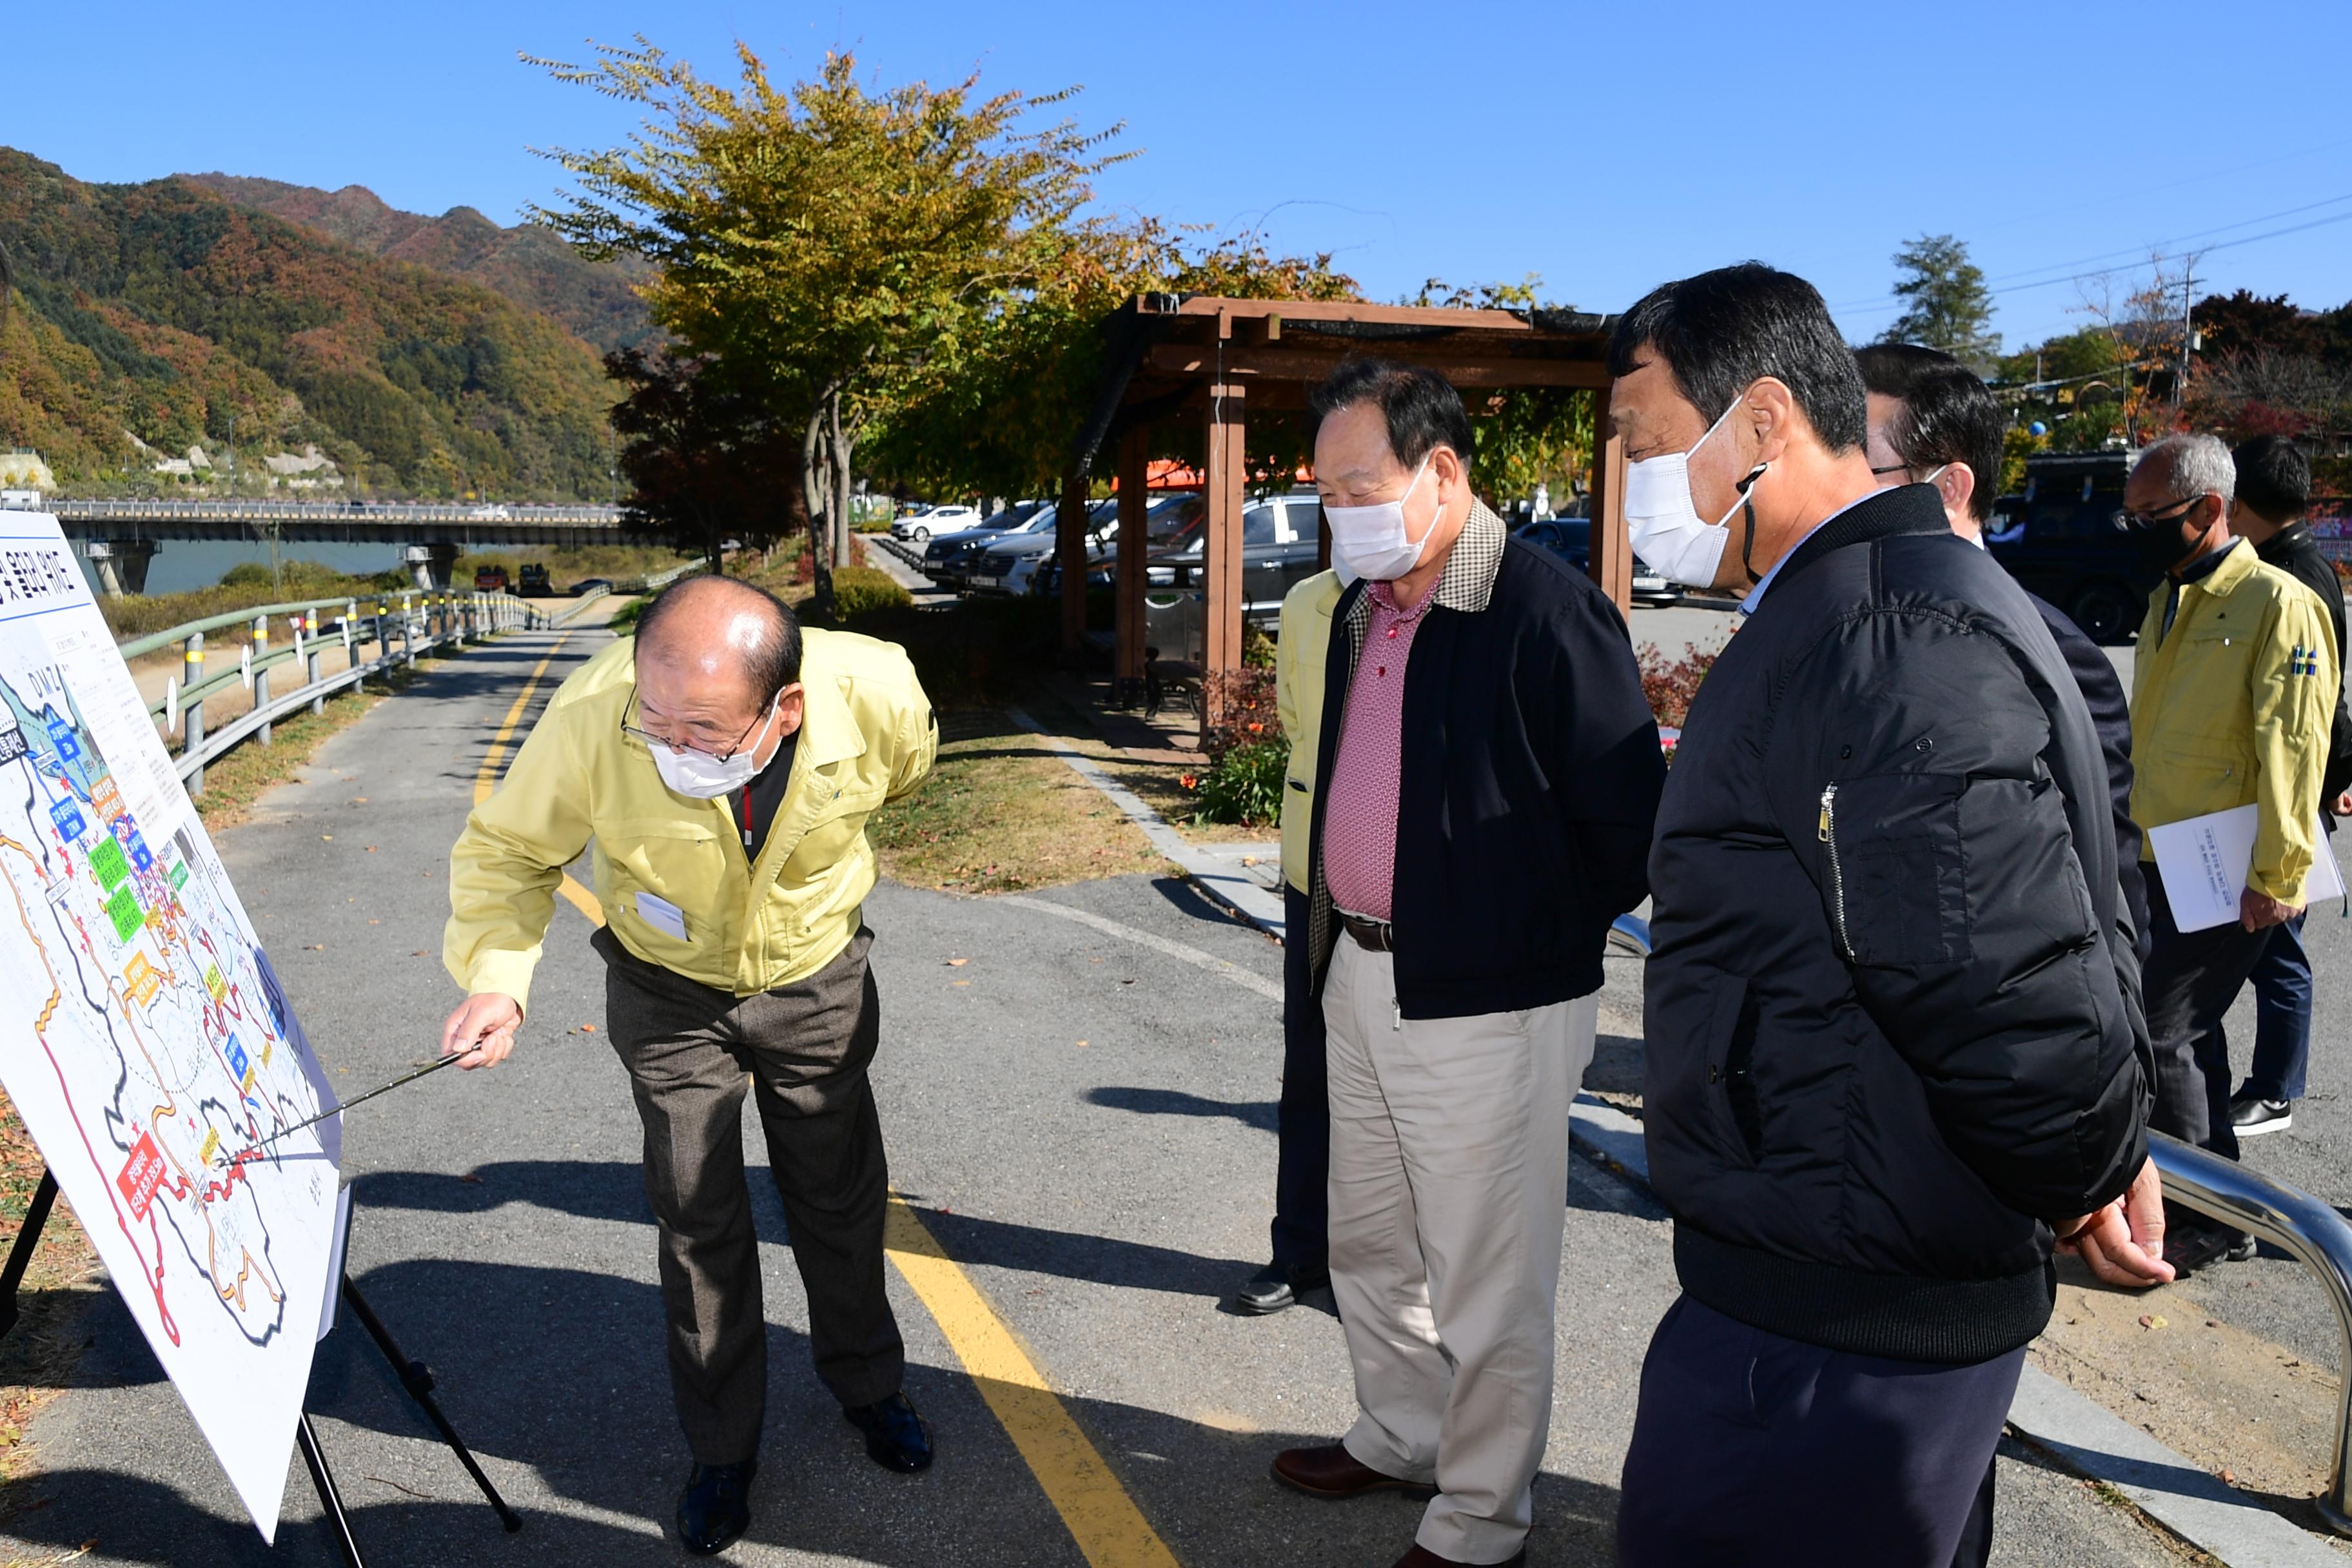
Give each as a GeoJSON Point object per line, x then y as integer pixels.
{"type": "Point", "coordinates": [419, 623]}
{"type": "Point", "coordinates": [2302, 1225]}
{"type": "Point", "coordinates": [586, 599]}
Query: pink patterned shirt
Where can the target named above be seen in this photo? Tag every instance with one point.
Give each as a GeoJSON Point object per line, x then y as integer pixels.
{"type": "Point", "coordinates": [1360, 824]}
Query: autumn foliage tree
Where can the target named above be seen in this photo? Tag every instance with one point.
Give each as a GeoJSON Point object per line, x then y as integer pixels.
{"type": "Point", "coordinates": [833, 251]}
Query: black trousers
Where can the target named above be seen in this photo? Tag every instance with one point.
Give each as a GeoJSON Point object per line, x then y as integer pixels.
{"type": "Point", "coordinates": [802, 1052]}
{"type": "Point", "coordinates": [1302, 1199]}
{"type": "Point", "coordinates": [1753, 1450]}
{"type": "Point", "coordinates": [2191, 979]}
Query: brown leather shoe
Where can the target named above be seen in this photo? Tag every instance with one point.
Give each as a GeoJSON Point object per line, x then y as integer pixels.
{"type": "Point", "coordinates": [1333, 1473]}
{"type": "Point", "coordinates": [1423, 1557]}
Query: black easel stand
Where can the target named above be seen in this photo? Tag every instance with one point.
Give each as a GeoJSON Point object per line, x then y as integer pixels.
{"type": "Point", "coordinates": [414, 1376]}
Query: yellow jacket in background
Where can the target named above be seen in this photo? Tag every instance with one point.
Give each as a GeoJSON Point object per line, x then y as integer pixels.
{"type": "Point", "coordinates": [868, 735]}
{"type": "Point", "coordinates": [2233, 706]}
{"type": "Point", "coordinates": [1298, 656]}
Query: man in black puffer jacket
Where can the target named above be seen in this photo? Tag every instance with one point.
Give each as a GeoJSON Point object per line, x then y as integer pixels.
{"type": "Point", "coordinates": [1891, 1049]}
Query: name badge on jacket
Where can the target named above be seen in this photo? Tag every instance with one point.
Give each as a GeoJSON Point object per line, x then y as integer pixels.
{"type": "Point", "coordinates": [662, 915]}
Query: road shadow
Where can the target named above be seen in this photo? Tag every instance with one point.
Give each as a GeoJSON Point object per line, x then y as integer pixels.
{"type": "Point", "coordinates": [1257, 1113]}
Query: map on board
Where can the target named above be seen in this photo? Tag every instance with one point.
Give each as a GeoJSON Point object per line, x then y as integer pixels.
{"type": "Point", "coordinates": [143, 1037]}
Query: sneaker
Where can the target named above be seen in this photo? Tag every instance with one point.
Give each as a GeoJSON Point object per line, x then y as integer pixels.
{"type": "Point", "coordinates": [2253, 1116]}
{"type": "Point", "coordinates": [2197, 1247]}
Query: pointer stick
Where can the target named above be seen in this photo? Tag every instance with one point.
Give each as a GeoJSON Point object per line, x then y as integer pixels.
{"type": "Point", "coordinates": [409, 1077]}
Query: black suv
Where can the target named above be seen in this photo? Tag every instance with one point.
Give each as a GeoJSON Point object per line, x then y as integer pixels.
{"type": "Point", "coordinates": [1570, 539]}
{"type": "Point", "coordinates": [2059, 540]}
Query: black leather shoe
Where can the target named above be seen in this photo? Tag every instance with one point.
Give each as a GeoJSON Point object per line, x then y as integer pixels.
{"type": "Point", "coordinates": [2201, 1245]}
{"type": "Point", "coordinates": [715, 1509]}
{"type": "Point", "coordinates": [1277, 1286]}
{"type": "Point", "coordinates": [896, 1437]}
{"type": "Point", "coordinates": [2251, 1116]}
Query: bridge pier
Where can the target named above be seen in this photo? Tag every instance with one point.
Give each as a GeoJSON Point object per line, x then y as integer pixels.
{"type": "Point", "coordinates": [120, 565]}
{"type": "Point", "coordinates": [430, 563]}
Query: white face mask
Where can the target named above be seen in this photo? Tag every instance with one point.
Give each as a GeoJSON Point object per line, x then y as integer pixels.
{"type": "Point", "coordinates": [1370, 541]}
{"type": "Point", "coordinates": [705, 777]}
{"type": "Point", "coordinates": [1662, 521]}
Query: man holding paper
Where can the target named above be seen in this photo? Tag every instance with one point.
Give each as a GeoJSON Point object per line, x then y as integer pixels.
{"type": "Point", "coordinates": [2232, 694]}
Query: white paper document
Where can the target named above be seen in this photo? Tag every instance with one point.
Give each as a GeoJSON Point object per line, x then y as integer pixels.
{"type": "Point", "coordinates": [2205, 859]}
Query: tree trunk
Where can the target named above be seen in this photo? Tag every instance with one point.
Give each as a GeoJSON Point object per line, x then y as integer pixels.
{"type": "Point", "coordinates": [814, 462]}
{"type": "Point", "coordinates": [841, 451]}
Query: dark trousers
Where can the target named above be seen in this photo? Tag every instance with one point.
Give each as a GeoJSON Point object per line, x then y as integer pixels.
{"type": "Point", "coordinates": [2191, 979]}
{"type": "Point", "coordinates": [1752, 1450]}
{"type": "Point", "coordinates": [2282, 1015]}
{"type": "Point", "coordinates": [1303, 1118]}
{"type": "Point", "coordinates": [801, 1051]}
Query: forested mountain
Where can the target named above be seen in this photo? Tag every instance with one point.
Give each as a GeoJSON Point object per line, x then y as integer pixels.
{"type": "Point", "coordinates": [530, 266]}
{"type": "Point", "coordinates": [162, 310]}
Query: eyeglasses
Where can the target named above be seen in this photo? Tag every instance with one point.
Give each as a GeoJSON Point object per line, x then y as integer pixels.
{"type": "Point", "coordinates": [650, 738]}
{"type": "Point", "coordinates": [2163, 517]}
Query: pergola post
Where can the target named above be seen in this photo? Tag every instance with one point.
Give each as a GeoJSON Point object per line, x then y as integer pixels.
{"type": "Point", "coordinates": [1221, 549]}
{"type": "Point", "coordinates": [1134, 545]}
{"type": "Point", "coordinates": [1070, 542]}
{"type": "Point", "coordinates": [1611, 554]}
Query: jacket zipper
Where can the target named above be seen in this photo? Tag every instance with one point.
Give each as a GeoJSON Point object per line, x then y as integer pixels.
{"type": "Point", "coordinates": [1828, 831]}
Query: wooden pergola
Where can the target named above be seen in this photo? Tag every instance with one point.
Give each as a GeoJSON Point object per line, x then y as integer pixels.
{"type": "Point", "coordinates": [1171, 358]}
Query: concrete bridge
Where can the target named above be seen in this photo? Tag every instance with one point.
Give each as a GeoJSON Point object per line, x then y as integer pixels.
{"type": "Point", "coordinates": [120, 537]}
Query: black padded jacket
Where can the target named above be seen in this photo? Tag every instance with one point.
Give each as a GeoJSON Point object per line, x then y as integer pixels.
{"type": "Point", "coordinates": [1892, 1010]}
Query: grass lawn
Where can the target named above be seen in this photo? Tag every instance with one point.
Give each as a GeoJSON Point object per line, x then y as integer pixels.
{"type": "Point", "coordinates": [1000, 813]}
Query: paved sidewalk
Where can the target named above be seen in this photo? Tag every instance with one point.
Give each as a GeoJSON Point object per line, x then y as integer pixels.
{"type": "Point", "coordinates": [1080, 1113]}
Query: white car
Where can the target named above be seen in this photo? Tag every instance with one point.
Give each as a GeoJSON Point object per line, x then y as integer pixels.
{"type": "Point", "coordinates": [921, 525]}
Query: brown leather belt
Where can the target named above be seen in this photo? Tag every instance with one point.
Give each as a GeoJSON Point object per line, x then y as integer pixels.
{"type": "Point", "coordinates": [1376, 936]}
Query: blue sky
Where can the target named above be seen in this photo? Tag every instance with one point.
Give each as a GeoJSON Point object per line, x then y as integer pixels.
{"type": "Point", "coordinates": [1605, 148]}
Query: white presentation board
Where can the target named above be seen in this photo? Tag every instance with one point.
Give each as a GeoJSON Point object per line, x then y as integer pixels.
{"type": "Point", "coordinates": [143, 1037]}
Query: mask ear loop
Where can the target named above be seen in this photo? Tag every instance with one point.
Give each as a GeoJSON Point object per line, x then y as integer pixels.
{"type": "Point", "coordinates": [1748, 506]}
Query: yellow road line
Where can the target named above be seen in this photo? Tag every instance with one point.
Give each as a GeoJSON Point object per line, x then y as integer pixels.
{"type": "Point", "coordinates": [486, 780]}
{"type": "Point", "coordinates": [1102, 1518]}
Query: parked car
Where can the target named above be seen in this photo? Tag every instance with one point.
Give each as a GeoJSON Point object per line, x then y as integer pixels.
{"type": "Point", "coordinates": [949, 555]}
{"type": "Point", "coordinates": [490, 579]}
{"type": "Point", "coordinates": [1570, 539]}
{"type": "Point", "coordinates": [922, 524]}
{"type": "Point", "coordinates": [2059, 540]}
{"type": "Point", "coordinates": [534, 584]}
{"type": "Point", "coordinates": [1279, 549]}
{"type": "Point", "coordinates": [590, 585]}
{"type": "Point", "coordinates": [1165, 521]}
{"type": "Point", "coordinates": [1010, 565]}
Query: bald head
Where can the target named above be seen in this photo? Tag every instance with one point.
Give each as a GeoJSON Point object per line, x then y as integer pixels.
{"type": "Point", "coordinates": [719, 628]}
{"type": "Point", "coordinates": [712, 655]}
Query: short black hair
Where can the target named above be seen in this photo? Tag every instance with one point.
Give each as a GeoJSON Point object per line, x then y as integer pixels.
{"type": "Point", "coordinates": [2273, 476]}
{"type": "Point", "coordinates": [1948, 416]}
{"type": "Point", "coordinates": [1721, 331]}
{"type": "Point", "coordinates": [1421, 408]}
{"type": "Point", "coordinates": [771, 667]}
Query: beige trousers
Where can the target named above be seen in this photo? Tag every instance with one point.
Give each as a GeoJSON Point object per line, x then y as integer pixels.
{"type": "Point", "coordinates": [1449, 1190]}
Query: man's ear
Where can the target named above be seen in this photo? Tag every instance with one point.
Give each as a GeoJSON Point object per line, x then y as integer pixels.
{"type": "Point", "coordinates": [1449, 466]}
{"type": "Point", "coordinates": [791, 707]}
{"type": "Point", "coordinates": [1956, 483]}
{"type": "Point", "coordinates": [1770, 411]}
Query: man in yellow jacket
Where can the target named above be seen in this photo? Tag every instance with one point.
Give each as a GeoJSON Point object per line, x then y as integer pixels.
{"type": "Point", "coordinates": [2233, 695]}
{"type": "Point", "coordinates": [1303, 1118]}
{"type": "Point", "coordinates": [723, 764]}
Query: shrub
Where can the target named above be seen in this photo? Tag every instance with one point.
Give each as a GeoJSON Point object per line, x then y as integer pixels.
{"type": "Point", "coordinates": [1245, 783]}
{"type": "Point", "coordinates": [626, 618]}
{"type": "Point", "coordinates": [862, 590]}
{"type": "Point", "coordinates": [1670, 684]}
{"type": "Point", "coordinates": [1247, 708]}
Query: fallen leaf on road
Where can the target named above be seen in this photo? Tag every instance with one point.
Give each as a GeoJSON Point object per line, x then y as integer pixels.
{"type": "Point", "coordinates": [314, 947]}
{"type": "Point", "coordinates": [2153, 1321]}
{"type": "Point", "coordinates": [958, 963]}
{"type": "Point", "coordinates": [471, 1178]}
{"type": "Point", "coordinates": [371, 848]}
{"type": "Point", "coordinates": [420, 952]}
{"type": "Point", "coordinates": [326, 839]}
{"type": "Point", "coordinates": [1082, 1044]}
{"type": "Point", "coordinates": [2230, 1477]}
{"type": "Point", "coordinates": [587, 1028]}
{"type": "Point", "coordinates": [960, 982]}
{"type": "Point", "coordinates": [375, 922]}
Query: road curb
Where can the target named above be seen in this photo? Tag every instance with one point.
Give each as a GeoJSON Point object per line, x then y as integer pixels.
{"type": "Point", "coordinates": [2079, 1433]}
{"type": "Point", "coordinates": [1249, 899]}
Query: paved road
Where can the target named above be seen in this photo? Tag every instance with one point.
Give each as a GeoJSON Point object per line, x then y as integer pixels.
{"type": "Point", "coordinates": [1080, 1114]}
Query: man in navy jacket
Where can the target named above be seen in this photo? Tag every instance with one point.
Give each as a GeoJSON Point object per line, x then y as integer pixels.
{"type": "Point", "coordinates": [1891, 1049]}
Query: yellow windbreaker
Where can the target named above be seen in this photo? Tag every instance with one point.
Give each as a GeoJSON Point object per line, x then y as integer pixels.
{"type": "Point", "coordinates": [1298, 656]}
{"type": "Point", "coordinates": [2233, 706]}
{"type": "Point", "coordinates": [868, 736]}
